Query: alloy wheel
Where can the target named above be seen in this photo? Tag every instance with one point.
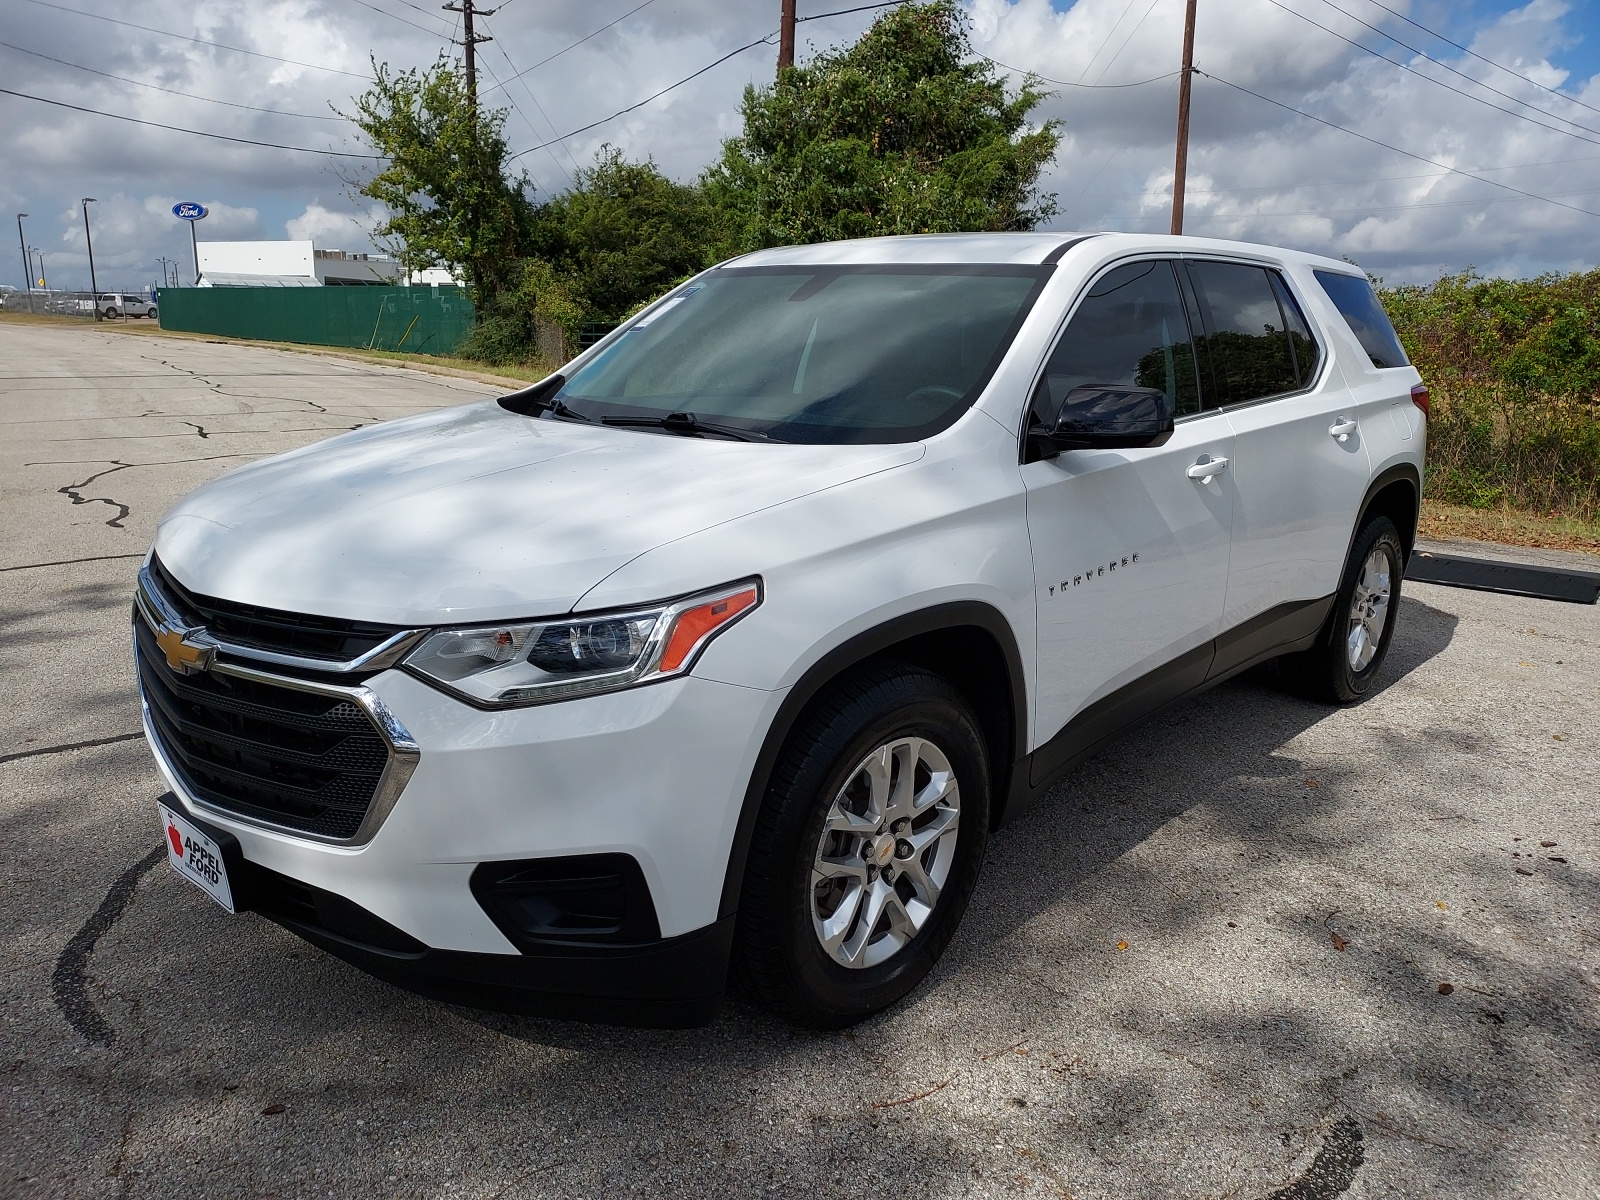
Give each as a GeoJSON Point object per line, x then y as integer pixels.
{"type": "Point", "coordinates": [1369, 609]}
{"type": "Point", "coordinates": [887, 847]}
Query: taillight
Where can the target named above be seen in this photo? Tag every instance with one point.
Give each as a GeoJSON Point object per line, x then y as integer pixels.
{"type": "Point", "coordinates": [1419, 397]}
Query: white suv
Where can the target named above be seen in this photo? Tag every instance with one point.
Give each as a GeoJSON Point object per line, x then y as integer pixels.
{"type": "Point", "coordinates": [731, 643]}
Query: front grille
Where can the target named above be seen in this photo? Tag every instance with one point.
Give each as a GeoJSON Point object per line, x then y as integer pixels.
{"type": "Point", "coordinates": [331, 638]}
{"type": "Point", "coordinates": [298, 759]}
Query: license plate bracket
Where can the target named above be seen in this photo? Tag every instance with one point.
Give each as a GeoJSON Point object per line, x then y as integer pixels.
{"type": "Point", "coordinates": [207, 857]}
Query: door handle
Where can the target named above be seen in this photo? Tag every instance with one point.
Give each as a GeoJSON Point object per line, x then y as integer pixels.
{"type": "Point", "coordinates": [1342, 429]}
{"type": "Point", "coordinates": [1207, 469]}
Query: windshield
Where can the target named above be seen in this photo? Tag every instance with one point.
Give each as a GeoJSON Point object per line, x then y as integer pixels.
{"type": "Point", "coordinates": [880, 353]}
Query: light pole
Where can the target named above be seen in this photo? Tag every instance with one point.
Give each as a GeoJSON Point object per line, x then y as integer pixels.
{"type": "Point", "coordinates": [27, 265]}
{"type": "Point", "coordinates": [94, 287]}
{"type": "Point", "coordinates": [43, 282]}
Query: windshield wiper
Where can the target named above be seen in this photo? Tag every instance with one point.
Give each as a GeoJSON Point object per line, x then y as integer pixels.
{"type": "Point", "coordinates": [542, 397]}
{"type": "Point", "coordinates": [686, 424]}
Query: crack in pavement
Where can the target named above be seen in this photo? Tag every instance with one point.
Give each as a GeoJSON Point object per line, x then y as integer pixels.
{"type": "Point", "coordinates": [220, 390]}
{"type": "Point", "coordinates": [200, 429]}
{"type": "Point", "coordinates": [69, 984]}
{"type": "Point", "coordinates": [92, 742]}
{"type": "Point", "coordinates": [212, 384]}
{"type": "Point", "coordinates": [72, 492]}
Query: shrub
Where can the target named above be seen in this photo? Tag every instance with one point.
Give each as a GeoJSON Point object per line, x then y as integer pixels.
{"type": "Point", "coordinates": [1514, 368]}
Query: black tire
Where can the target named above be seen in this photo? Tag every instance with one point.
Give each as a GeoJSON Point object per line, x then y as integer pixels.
{"type": "Point", "coordinates": [779, 958]}
{"type": "Point", "coordinates": [1326, 673]}
{"type": "Point", "coordinates": [112, 314]}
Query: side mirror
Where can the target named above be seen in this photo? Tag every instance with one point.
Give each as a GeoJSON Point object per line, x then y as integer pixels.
{"type": "Point", "coordinates": [1106, 416]}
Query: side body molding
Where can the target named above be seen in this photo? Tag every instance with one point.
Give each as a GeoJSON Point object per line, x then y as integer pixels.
{"type": "Point", "coordinates": [1002, 730]}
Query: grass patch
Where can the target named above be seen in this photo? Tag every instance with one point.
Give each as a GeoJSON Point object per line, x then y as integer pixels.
{"type": "Point", "coordinates": [1441, 520]}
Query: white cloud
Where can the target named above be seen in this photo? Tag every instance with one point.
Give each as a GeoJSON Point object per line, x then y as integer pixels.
{"type": "Point", "coordinates": [330, 228]}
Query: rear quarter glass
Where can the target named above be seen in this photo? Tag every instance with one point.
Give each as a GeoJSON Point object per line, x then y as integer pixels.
{"type": "Point", "coordinates": [1353, 296]}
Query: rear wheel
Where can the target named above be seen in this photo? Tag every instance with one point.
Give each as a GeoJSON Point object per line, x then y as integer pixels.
{"type": "Point", "coordinates": [1344, 667]}
{"type": "Point", "coordinates": [866, 850]}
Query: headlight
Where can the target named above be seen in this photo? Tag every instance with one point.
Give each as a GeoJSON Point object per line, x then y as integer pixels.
{"type": "Point", "coordinates": [534, 662]}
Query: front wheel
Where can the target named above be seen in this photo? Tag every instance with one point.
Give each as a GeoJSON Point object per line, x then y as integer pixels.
{"type": "Point", "coordinates": [866, 850]}
{"type": "Point", "coordinates": [1344, 667]}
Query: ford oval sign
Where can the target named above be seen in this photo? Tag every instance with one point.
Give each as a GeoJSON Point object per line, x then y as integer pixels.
{"type": "Point", "coordinates": [188, 211]}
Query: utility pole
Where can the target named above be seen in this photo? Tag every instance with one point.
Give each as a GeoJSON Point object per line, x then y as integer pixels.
{"type": "Point", "coordinates": [786, 36]}
{"type": "Point", "coordinates": [1180, 170]}
{"type": "Point", "coordinates": [94, 287]}
{"type": "Point", "coordinates": [468, 41]}
{"type": "Point", "coordinates": [27, 264]}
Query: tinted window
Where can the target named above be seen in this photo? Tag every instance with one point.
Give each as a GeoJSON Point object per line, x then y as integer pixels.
{"type": "Point", "coordinates": [814, 354]}
{"type": "Point", "coordinates": [1130, 330]}
{"type": "Point", "coordinates": [1358, 304]}
{"type": "Point", "coordinates": [1245, 334]}
{"type": "Point", "coordinates": [1301, 344]}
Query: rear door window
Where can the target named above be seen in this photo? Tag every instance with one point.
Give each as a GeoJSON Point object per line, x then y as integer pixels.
{"type": "Point", "coordinates": [1245, 339]}
{"type": "Point", "coordinates": [1307, 354]}
{"type": "Point", "coordinates": [1353, 296]}
{"type": "Point", "coordinates": [1130, 330]}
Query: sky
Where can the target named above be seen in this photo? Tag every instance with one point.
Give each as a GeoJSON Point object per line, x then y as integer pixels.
{"type": "Point", "coordinates": [1455, 183]}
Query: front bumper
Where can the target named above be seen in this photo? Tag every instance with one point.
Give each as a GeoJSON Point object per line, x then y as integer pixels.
{"type": "Point", "coordinates": [656, 773]}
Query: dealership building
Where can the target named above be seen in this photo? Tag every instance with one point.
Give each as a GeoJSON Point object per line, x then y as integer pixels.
{"type": "Point", "coordinates": [292, 264]}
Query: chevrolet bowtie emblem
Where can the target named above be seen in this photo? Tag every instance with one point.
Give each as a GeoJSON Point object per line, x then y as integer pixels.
{"type": "Point", "coordinates": [184, 656]}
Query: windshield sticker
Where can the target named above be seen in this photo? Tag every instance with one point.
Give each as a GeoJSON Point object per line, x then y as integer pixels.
{"type": "Point", "coordinates": [664, 307]}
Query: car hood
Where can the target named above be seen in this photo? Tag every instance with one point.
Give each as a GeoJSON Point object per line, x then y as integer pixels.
{"type": "Point", "coordinates": [476, 513]}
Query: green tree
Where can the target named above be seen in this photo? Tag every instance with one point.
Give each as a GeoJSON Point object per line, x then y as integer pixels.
{"type": "Point", "coordinates": [624, 234]}
{"type": "Point", "coordinates": [444, 182]}
{"type": "Point", "coordinates": [899, 133]}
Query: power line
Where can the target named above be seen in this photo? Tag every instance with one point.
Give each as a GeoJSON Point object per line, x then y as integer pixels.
{"type": "Point", "coordinates": [528, 91]}
{"type": "Point", "coordinates": [184, 37]}
{"type": "Point", "coordinates": [1112, 61]}
{"type": "Point", "coordinates": [1106, 41]}
{"type": "Point", "coordinates": [418, 8]}
{"type": "Point", "coordinates": [840, 12]}
{"type": "Point", "coordinates": [221, 137]}
{"type": "Point", "coordinates": [670, 87]}
{"type": "Point", "coordinates": [1439, 82]}
{"type": "Point", "coordinates": [403, 20]}
{"type": "Point", "coordinates": [526, 120]}
{"type": "Point", "coordinates": [1367, 208]}
{"type": "Point", "coordinates": [1070, 83]}
{"type": "Point", "coordinates": [1462, 74]}
{"type": "Point", "coordinates": [1482, 59]}
{"type": "Point", "coordinates": [1299, 185]}
{"type": "Point", "coordinates": [1387, 146]}
{"type": "Point", "coordinates": [585, 38]}
{"type": "Point", "coordinates": [170, 91]}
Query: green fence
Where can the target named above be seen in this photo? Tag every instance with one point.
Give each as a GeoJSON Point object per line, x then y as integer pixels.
{"type": "Point", "coordinates": [426, 320]}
